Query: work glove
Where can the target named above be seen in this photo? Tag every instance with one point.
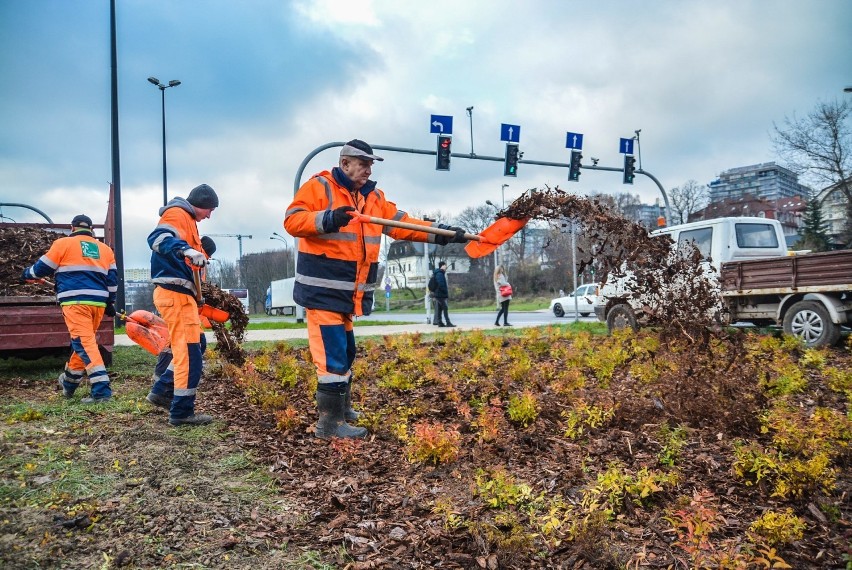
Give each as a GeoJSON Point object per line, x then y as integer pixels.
{"type": "Point", "coordinates": [26, 278]}
{"type": "Point", "coordinates": [340, 216]}
{"type": "Point", "coordinates": [110, 310]}
{"type": "Point", "coordinates": [444, 240]}
{"type": "Point", "coordinates": [195, 257]}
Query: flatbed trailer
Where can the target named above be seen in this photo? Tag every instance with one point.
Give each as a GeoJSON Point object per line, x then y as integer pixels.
{"type": "Point", "coordinates": [32, 325]}
{"type": "Point", "coordinates": [809, 295]}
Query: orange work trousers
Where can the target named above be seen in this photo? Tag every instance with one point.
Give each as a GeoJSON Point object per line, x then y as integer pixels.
{"type": "Point", "coordinates": [82, 322]}
{"type": "Point", "coordinates": [180, 311]}
{"type": "Point", "coordinates": [332, 343]}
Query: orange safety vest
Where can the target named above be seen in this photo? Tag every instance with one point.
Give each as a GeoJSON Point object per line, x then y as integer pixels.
{"type": "Point", "coordinates": [337, 271]}
{"type": "Point", "coordinates": [85, 270]}
{"type": "Point", "coordinates": [176, 231]}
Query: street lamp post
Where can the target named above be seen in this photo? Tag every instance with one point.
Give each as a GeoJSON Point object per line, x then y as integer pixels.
{"type": "Point", "coordinates": [162, 88]}
{"type": "Point", "coordinates": [497, 249]}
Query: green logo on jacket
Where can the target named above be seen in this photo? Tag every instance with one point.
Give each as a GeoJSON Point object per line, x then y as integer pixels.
{"type": "Point", "coordinates": [90, 249]}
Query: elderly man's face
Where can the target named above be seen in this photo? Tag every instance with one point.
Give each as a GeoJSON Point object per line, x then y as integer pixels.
{"type": "Point", "coordinates": [357, 170]}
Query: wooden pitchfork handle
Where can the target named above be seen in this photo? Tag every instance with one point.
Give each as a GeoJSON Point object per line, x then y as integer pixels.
{"type": "Point", "coordinates": [363, 218]}
{"type": "Point", "coordinates": [196, 277]}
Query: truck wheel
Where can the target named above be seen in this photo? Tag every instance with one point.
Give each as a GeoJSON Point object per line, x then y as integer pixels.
{"type": "Point", "coordinates": [621, 316]}
{"type": "Point", "coordinates": [558, 311]}
{"type": "Point", "coordinates": [810, 321]}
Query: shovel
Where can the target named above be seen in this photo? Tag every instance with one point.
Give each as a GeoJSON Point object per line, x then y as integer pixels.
{"type": "Point", "coordinates": [480, 244]}
{"type": "Point", "coordinates": [205, 310]}
{"type": "Point", "coordinates": [147, 330]}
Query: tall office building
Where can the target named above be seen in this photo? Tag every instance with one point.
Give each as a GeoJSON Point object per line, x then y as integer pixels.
{"type": "Point", "coordinates": [767, 181]}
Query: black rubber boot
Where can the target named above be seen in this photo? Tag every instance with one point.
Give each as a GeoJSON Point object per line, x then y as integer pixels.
{"type": "Point", "coordinates": [332, 422]}
{"type": "Point", "coordinates": [350, 413]}
{"type": "Point", "coordinates": [193, 420]}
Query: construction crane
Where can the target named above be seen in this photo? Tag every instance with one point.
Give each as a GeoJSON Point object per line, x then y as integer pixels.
{"type": "Point", "coordinates": [239, 239]}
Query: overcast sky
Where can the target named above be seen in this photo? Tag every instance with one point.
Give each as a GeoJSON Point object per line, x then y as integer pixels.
{"type": "Point", "coordinates": [265, 82]}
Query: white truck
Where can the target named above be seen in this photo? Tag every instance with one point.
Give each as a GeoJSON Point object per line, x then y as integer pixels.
{"type": "Point", "coordinates": [280, 299]}
{"type": "Point", "coordinates": [242, 295]}
{"type": "Point", "coordinates": [808, 294]}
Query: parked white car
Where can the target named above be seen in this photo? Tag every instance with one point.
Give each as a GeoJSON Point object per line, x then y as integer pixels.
{"type": "Point", "coordinates": [585, 297]}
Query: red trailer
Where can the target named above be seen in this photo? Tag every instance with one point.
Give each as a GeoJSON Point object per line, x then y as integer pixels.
{"type": "Point", "coordinates": [32, 326]}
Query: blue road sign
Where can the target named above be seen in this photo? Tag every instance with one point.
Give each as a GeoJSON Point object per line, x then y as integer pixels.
{"type": "Point", "coordinates": [441, 124]}
{"type": "Point", "coordinates": [625, 146]}
{"type": "Point", "coordinates": [574, 140]}
{"type": "Point", "coordinates": [510, 133]}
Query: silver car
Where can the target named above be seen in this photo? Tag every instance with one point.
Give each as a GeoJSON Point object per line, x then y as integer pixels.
{"type": "Point", "coordinates": [584, 298]}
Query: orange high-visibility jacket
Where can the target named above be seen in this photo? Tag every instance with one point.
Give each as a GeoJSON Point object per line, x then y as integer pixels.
{"type": "Point", "coordinates": [337, 270]}
{"type": "Point", "coordinates": [176, 231]}
{"type": "Point", "coordinates": [85, 270]}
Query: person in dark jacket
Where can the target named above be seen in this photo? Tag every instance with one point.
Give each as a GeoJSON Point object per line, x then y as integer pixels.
{"type": "Point", "coordinates": [442, 294]}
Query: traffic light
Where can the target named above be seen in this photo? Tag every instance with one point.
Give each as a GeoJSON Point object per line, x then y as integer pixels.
{"type": "Point", "coordinates": [574, 172]}
{"type": "Point", "coordinates": [629, 169]}
{"type": "Point", "coordinates": [442, 162]}
{"type": "Point", "coordinates": [510, 167]}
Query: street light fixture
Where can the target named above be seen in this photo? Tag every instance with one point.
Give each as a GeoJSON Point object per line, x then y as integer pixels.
{"type": "Point", "coordinates": [162, 88]}
{"type": "Point", "coordinates": [277, 236]}
{"type": "Point", "coordinates": [847, 89]}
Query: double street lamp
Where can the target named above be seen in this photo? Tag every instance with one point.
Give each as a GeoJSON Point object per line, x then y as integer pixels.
{"type": "Point", "coordinates": [279, 237]}
{"type": "Point", "coordinates": [162, 88]}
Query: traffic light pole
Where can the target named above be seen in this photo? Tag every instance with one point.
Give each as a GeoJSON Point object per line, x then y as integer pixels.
{"type": "Point", "coordinates": [316, 151]}
{"type": "Point", "coordinates": [301, 170]}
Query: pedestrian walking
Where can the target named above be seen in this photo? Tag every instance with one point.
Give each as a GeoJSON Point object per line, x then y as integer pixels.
{"type": "Point", "coordinates": [86, 283]}
{"type": "Point", "coordinates": [442, 295]}
{"type": "Point", "coordinates": [337, 269]}
{"type": "Point", "coordinates": [176, 252]}
{"type": "Point", "coordinates": [504, 295]}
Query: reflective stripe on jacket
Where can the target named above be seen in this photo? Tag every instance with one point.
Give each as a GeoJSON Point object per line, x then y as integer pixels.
{"type": "Point", "coordinates": [176, 231]}
{"type": "Point", "coordinates": [337, 270]}
{"type": "Point", "coordinates": [85, 270]}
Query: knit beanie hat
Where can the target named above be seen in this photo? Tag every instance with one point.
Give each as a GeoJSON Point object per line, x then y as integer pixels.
{"type": "Point", "coordinates": [208, 245]}
{"type": "Point", "coordinates": [203, 196]}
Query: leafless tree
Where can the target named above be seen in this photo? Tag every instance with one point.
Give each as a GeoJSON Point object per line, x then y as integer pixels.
{"type": "Point", "coordinates": [224, 274]}
{"type": "Point", "coordinates": [474, 220]}
{"type": "Point", "coordinates": [819, 148]}
{"type": "Point", "coordinates": [686, 199]}
{"type": "Point", "coordinates": [258, 271]}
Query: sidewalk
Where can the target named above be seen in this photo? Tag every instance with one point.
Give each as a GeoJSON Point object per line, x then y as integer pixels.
{"type": "Point", "coordinates": [360, 331]}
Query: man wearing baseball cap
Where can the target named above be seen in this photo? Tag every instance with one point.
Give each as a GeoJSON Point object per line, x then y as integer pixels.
{"type": "Point", "coordinates": [337, 268]}
{"type": "Point", "coordinates": [177, 251]}
{"type": "Point", "coordinates": [86, 283]}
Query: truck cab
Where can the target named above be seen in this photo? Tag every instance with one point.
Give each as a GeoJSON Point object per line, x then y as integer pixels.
{"type": "Point", "coordinates": [718, 240]}
{"type": "Point", "coordinates": [730, 239]}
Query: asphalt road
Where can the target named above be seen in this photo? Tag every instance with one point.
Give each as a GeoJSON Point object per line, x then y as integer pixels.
{"type": "Point", "coordinates": [462, 320]}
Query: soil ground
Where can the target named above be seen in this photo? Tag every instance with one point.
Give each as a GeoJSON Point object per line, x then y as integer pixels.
{"type": "Point", "coordinates": [468, 464]}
